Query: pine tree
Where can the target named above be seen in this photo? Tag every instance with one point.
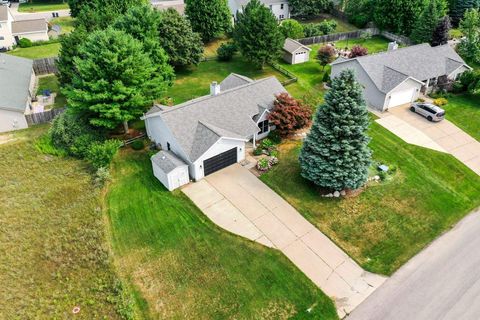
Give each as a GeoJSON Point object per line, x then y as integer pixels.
{"type": "Point", "coordinates": [458, 8]}
{"type": "Point", "coordinates": [335, 154]}
{"type": "Point", "coordinates": [257, 34]}
{"type": "Point", "coordinates": [440, 34]}
{"type": "Point", "coordinates": [428, 21]}
{"type": "Point", "coordinates": [208, 17]}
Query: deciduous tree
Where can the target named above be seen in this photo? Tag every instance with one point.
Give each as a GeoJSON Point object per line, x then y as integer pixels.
{"type": "Point", "coordinates": [208, 17]}
{"type": "Point", "coordinates": [469, 47]}
{"type": "Point", "coordinates": [309, 8]}
{"type": "Point", "coordinates": [440, 34]}
{"type": "Point", "coordinates": [325, 55]}
{"type": "Point", "coordinates": [292, 29]}
{"type": "Point", "coordinates": [289, 114]}
{"type": "Point", "coordinates": [397, 16]}
{"type": "Point", "coordinates": [428, 21]}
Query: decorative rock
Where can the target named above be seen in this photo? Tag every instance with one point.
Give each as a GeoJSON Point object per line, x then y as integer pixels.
{"type": "Point", "coordinates": [343, 193]}
{"type": "Point", "coordinates": [336, 194]}
{"type": "Point", "coordinates": [376, 178]}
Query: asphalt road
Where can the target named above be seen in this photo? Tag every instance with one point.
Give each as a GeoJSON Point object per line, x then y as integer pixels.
{"type": "Point", "coordinates": [37, 15]}
{"type": "Point", "coordinates": [440, 283]}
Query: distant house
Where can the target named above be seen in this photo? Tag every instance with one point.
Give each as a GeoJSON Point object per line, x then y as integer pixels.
{"type": "Point", "coordinates": [398, 76]}
{"type": "Point", "coordinates": [178, 5]}
{"type": "Point", "coordinates": [294, 52]}
{"type": "Point", "coordinates": [12, 31]}
{"type": "Point", "coordinates": [280, 8]}
{"type": "Point", "coordinates": [17, 81]}
{"type": "Point", "coordinates": [207, 134]}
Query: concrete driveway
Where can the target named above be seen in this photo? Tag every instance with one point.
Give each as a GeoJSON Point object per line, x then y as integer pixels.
{"type": "Point", "coordinates": [441, 136]}
{"type": "Point", "coordinates": [239, 202]}
{"type": "Point", "coordinates": [442, 282]}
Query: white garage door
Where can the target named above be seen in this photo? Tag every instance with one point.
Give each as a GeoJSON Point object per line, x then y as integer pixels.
{"type": "Point", "coordinates": [401, 97]}
{"type": "Point", "coordinates": [300, 57]}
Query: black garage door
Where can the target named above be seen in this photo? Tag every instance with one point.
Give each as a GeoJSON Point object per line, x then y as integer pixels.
{"type": "Point", "coordinates": [220, 161]}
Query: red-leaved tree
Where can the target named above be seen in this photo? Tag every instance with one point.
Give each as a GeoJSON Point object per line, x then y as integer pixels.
{"type": "Point", "coordinates": [289, 114]}
{"type": "Point", "coordinates": [325, 55]}
{"type": "Point", "coordinates": [358, 51]}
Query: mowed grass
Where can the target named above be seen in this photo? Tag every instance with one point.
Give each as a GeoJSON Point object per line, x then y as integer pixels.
{"type": "Point", "coordinates": [388, 223]}
{"type": "Point", "coordinates": [53, 247]}
{"type": "Point", "coordinates": [195, 81]}
{"type": "Point", "coordinates": [51, 83]}
{"type": "Point", "coordinates": [66, 23]}
{"type": "Point", "coordinates": [43, 5]}
{"type": "Point", "coordinates": [342, 26]}
{"type": "Point", "coordinates": [184, 267]}
{"type": "Point", "coordinates": [37, 52]}
{"type": "Point", "coordinates": [464, 111]}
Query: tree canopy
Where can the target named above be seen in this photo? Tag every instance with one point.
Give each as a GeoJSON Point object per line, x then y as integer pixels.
{"type": "Point", "coordinates": [309, 8]}
{"type": "Point", "coordinates": [209, 17]}
{"type": "Point", "coordinates": [428, 21]}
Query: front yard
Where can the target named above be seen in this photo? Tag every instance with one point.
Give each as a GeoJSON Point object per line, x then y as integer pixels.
{"type": "Point", "coordinates": [464, 111]}
{"type": "Point", "coordinates": [184, 267]}
{"type": "Point", "coordinates": [388, 223]}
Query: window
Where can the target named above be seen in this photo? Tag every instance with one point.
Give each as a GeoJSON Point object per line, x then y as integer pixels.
{"type": "Point", "coordinates": [281, 16]}
{"type": "Point", "coordinates": [281, 6]}
{"type": "Point", "coordinates": [263, 126]}
{"type": "Point", "coordinates": [168, 146]}
{"type": "Point", "coordinates": [2, 38]}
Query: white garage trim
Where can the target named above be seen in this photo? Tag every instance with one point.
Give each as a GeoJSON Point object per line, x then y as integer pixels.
{"type": "Point", "coordinates": [398, 98]}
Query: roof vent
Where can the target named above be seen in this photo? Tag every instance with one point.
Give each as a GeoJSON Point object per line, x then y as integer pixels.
{"type": "Point", "coordinates": [214, 88]}
{"type": "Point", "coordinates": [392, 46]}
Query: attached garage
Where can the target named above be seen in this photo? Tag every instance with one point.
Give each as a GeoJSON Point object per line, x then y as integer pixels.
{"type": "Point", "coordinates": [401, 97]}
{"type": "Point", "coordinates": [220, 161]}
{"type": "Point", "coordinates": [170, 170]}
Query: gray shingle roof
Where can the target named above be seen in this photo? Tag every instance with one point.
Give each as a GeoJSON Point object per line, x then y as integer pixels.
{"type": "Point", "coordinates": [291, 46]}
{"type": "Point", "coordinates": [234, 80]}
{"type": "Point", "coordinates": [167, 161]}
{"type": "Point", "coordinates": [265, 2]}
{"type": "Point", "coordinates": [199, 123]}
{"type": "Point", "coordinates": [25, 26]}
{"type": "Point", "coordinates": [422, 62]}
{"type": "Point", "coordinates": [15, 75]}
{"type": "Point", "coordinates": [3, 13]}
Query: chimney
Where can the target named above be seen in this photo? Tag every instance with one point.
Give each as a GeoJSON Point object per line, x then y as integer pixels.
{"type": "Point", "coordinates": [392, 46]}
{"type": "Point", "coordinates": [214, 88]}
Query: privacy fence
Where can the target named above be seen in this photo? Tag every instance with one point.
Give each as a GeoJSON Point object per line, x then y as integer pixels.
{"type": "Point", "coordinates": [45, 66]}
{"type": "Point", "coordinates": [43, 117]}
{"type": "Point", "coordinates": [354, 35]}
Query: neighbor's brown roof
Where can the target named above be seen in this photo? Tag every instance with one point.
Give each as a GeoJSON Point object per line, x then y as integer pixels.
{"type": "Point", "coordinates": [26, 26]}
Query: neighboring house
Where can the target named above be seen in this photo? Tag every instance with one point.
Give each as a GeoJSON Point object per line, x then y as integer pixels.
{"type": "Point", "coordinates": [178, 5]}
{"type": "Point", "coordinates": [17, 82]}
{"type": "Point", "coordinates": [397, 77]}
{"type": "Point", "coordinates": [294, 52]}
{"type": "Point", "coordinates": [280, 8]}
{"type": "Point", "coordinates": [209, 133]}
{"type": "Point", "coordinates": [12, 31]}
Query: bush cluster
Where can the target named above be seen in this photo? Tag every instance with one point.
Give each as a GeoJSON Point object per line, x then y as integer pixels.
{"type": "Point", "coordinates": [318, 29]}
{"type": "Point", "coordinates": [226, 51]}
{"type": "Point", "coordinates": [468, 81]}
{"type": "Point", "coordinates": [440, 101]}
{"type": "Point", "coordinates": [25, 43]}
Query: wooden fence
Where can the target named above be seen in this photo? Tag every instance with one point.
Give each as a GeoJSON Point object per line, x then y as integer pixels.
{"type": "Point", "coordinates": [45, 66]}
{"type": "Point", "coordinates": [291, 78]}
{"type": "Point", "coordinates": [354, 35]}
{"type": "Point", "coordinates": [43, 117]}
{"type": "Point", "coordinates": [129, 141]}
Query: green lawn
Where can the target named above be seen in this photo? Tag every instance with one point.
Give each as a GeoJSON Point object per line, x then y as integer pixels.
{"type": "Point", "coordinates": [53, 246]}
{"type": "Point", "coordinates": [388, 223]}
{"type": "Point", "coordinates": [195, 81]}
{"type": "Point", "coordinates": [43, 5]}
{"type": "Point", "coordinates": [37, 52]}
{"type": "Point", "coordinates": [66, 23]}
{"type": "Point", "coordinates": [342, 26]}
{"type": "Point", "coordinates": [184, 267]}
{"type": "Point", "coordinates": [51, 83]}
{"type": "Point", "coordinates": [464, 111]}
{"type": "Point", "coordinates": [210, 49]}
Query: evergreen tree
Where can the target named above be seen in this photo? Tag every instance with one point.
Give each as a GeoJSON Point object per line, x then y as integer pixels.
{"type": "Point", "coordinates": [183, 46]}
{"type": "Point", "coordinates": [428, 21]}
{"type": "Point", "coordinates": [257, 34]}
{"type": "Point", "coordinates": [440, 34]}
{"type": "Point", "coordinates": [469, 47]}
{"type": "Point", "coordinates": [115, 81]}
{"type": "Point", "coordinates": [458, 8]}
{"type": "Point", "coordinates": [335, 154]}
{"type": "Point", "coordinates": [69, 45]}
{"type": "Point", "coordinates": [309, 8]}
{"type": "Point", "coordinates": [208, 17]}
{"type": "Point", "coordinates": [397, 16]}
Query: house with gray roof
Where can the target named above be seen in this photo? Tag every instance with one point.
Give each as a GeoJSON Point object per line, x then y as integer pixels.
{"type": "Point", "coordinates": [294, 52]}
{"type": "Point", "coordinates": [279, 8]}
{"type": "Point", "coordinates": [17, 81]}
{"type": "Point", "coordinates": [12, 31]}
{"type": "Point", "coordinates": [209, 133]}
{"type": "Point", "coordinates": [398, 76]}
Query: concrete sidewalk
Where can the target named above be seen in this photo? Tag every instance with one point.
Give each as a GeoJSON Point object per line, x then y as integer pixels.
{"type": "Point", "coordinates": [239, 202]}
{"type": "Point", "coordinates": [442, 136]}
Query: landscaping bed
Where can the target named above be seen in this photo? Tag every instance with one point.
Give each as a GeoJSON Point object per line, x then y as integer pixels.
{"type": "Point", "coordinates": [183, 266]}
{"type": "Point", "coordinates": [391, 221]}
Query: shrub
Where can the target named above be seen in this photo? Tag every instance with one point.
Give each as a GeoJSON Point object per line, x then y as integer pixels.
{"type": "Point", "coordinates": [366, 35]}
{"type": "Point", "coordinates": [440, 102]}
{"type": "Point", "coordinates": [137, 145]}
{"type": "Point", "coordinates": [289, 114]}
{"type": "Point", "coordinates": [100, 154]}
{"type": "Point", "coordinates": [327, 26]}
{"type": "Point", "coordinates": [44, 144]}
{"type": "Point", "coordinates": [311, 30]}
{"type": "Point", "coordinates": [267, 144]}
{"type": "Point", "coordinates": [25, 43]}
{"type": "Point", "coordinates": [420, 100]}
{"type": "Point", "coordinates": [258, 151]}
{"type": "Point", "coordinates": [273, 161]}
{"type": "Point", "coordinates": [357, 51]}
{"type": "Point", "coordinates": [291, 29]}
{"type": "Point", "coordinates": [326, 77]}
{"type": "Point", "coordinates": [226, 51]}
{"type": "Point", "coordinates": [263, 164]}
{"type": "Point", "coordinates": [102, 176]}
{"type": "Point", "coordinates": [275, 137]}
{"type": "Point", "coordinates": [469, 81]}
{"type": "Point", "coordinates": [274, 153]}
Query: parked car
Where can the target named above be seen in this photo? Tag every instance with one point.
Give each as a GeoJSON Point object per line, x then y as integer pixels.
{"type": "Point", "coordinates": [428, 110]}
{"type": "Point", "coordinates": [5, 3]}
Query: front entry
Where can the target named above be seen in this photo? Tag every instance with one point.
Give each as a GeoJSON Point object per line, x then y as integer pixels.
{"type": "Point", "coordinates": [220, 161]}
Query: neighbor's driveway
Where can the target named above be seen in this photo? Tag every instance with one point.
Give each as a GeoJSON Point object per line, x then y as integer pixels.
{"type": "Point", "coordinates": [442, 136]}
{"type": "Point", "coordinates": [239, 202]}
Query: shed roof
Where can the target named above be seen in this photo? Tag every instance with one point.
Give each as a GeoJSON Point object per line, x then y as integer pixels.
{"type": "Point", "coordinates": [291, 46]}
{"type": "Point", "coordinates": [167, 161]}
{"type": "Point", "coordinates": [27, 26]}
{"type": "Point", "coordinates": [15, 76]}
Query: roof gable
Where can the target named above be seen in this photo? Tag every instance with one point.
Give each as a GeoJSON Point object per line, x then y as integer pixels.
{"type": "Point", "coordinates": [15, 77]}
{"type": "Point", "coordinates": [291, 46]}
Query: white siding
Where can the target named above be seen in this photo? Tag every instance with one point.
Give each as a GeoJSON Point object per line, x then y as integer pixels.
{"type": "Point", "coordinates": [222, 145]}
{"type": "Point", "coordinates": [34, 36]}
{"type": "Point", "coordinates": [408, 85]}
{"type": "Point", "coordinates": [276, 9]}
{"type": "Point", "coordinates": [174, 179]}
{"type": "Point", "coordinates": [263, 135]}
{"type": "Point", "coordinates": [12, 120]}
{"type": "Point", "coordinates": [6, 32]}
{"type": "Point", "coordinates": [457, 72]}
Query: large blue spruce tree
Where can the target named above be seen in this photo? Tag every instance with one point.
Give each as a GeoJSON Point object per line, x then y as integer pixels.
{"type": "Point", "coordinates": [335, 154]}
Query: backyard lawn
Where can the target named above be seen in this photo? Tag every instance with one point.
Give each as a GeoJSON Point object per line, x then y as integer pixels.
{"type": "Point", "coordinates": [43, 5]}
{"type": "Point", "coordinates": [184, 267]}
{"type": "Point", "coordinates": [53, 247]}
{"type": "Point", "coordinates": [389, 223]}
{"type": "Point", "coordinates": [37, 52]}
{"type": "Point", "coordinates": [464, 111]}
{"type": "Point", "coordinates": [66, 23]}
{"type": "Point", "coordinates": [51, 83]}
